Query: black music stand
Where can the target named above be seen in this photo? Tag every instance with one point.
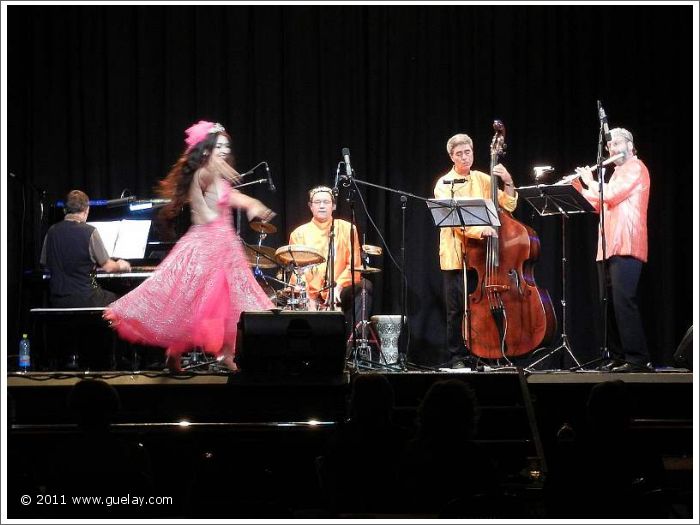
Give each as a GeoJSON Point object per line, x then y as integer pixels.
{"type": "Point", "coordinates": [459, 213]}
{"type": "Point", "coordinates": [456, 213]}
{"type": "Point", "coordinates": [563, 200]}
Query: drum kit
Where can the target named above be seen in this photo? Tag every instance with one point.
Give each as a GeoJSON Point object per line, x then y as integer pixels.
{"type": "Point", "coordinates": [292, 261]}
{"type": "Point", "coordinates": [287, 290]}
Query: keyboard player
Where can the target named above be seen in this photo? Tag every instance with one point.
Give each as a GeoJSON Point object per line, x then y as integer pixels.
{"type": "Point", "coordinates": [71, 252]}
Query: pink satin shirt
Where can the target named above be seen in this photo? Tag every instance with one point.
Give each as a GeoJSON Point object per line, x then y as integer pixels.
{"type": "Point", "coordinates": [626, 197]}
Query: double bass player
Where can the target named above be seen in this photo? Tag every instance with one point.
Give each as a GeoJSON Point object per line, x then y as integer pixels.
{"type": "Point", "coordinates": [462, 181]}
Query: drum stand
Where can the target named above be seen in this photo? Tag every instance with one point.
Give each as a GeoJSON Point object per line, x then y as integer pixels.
{"type": "Point", "coordinates": [198, 359]}
{"type": "Point", "coordinates": [363, 350]}
{"type": "Point", "coordinates": [298, 300]}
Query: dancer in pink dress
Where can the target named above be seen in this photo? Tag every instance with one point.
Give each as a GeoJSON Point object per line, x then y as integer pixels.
{"type": "Point", "coordinates": [195, 297]}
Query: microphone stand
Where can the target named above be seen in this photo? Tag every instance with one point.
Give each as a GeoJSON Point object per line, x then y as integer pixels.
{"type": "Point", "coordinates": [330, 265]}
{"type": "Point", "coordinates": [403, 350]}
{"type": "Point", "coordinates": [259, 181]}
{"type": "Point", "coordinates": [351, 201]}
{"type": "Point", "coordinates": [239, 212]}
{"type": "Point", "coordinates": [466, 313]}
{"type": "Point", "coordinates": [604, 353]}
{"type": "Point", "coordinates": [364, 342]}
{"type": "Point", "coordinates": [404, 292]}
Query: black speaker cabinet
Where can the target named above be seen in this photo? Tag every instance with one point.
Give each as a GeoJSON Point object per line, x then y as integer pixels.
{"type": "Point", "coordinates": [289, 343]}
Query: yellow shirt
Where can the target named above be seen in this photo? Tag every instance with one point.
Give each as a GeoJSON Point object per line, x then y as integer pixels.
{"type": "Point", "coordinates": [315, 235]}
{"type": "Point", "coordinates": [452, 240]}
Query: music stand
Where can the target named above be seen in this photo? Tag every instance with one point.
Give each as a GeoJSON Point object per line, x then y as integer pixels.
{"type": "Point", "coordinates": [563, 200]}
{"type": "Point", "coordinates": [458, 213]}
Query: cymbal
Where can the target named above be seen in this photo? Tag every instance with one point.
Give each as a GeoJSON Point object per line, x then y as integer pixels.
{"type": "Point", "coordinates": [261, 256]}
{"type": "Point", "coordinates": [298, 255]}
{"type": "Point", "coordinates": [366, 269]}
{"type": "Point", "coordinates": [262, 227]}
{"type": "Point", "coordinates": [371, 250]}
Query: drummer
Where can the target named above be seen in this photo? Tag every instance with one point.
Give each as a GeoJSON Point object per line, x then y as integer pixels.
{"type": "Point", "coordinates": [315, 234]}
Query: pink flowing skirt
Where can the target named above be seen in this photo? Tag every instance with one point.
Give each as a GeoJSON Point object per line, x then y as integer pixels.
{"type": "Point", "coordinates": [195, 297]}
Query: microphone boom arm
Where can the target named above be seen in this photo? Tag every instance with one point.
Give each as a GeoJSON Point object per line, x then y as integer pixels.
{"type": "Point", "coordinates": [259, 181]}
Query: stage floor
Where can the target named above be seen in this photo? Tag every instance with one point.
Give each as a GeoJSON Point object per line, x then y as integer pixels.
{"type": "Point", "coordinates": [141, 378]}
{"type": "Point", "coordinates": [553, 397]}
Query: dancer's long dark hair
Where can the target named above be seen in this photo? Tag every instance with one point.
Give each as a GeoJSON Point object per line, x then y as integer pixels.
{"type": "Point", "coordinates": [176, 185]}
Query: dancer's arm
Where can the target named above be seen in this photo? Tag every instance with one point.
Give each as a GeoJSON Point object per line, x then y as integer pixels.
{"type": "Point", "coordinates": [253, 207]}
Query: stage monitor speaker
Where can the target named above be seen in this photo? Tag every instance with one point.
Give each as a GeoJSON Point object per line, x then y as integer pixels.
{"type": "Point", "coordinates": [288, 343]}
{"type": "Point", "coordinates": [683, 357]}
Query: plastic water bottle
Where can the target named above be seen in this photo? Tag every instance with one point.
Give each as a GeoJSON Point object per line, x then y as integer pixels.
{"type": "Point", "coordinates": [25, 354]}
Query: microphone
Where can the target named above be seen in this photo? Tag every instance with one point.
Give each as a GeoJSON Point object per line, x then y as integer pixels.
{"type": "Point", "coordinates": [541, 171]}
{"type": "Point", "coordinates": [111, 203]}
{"type": "Point", "coordinates": [346, 158]}
{"type": "Point", "coordinates": [454, 181]}
{"type": "Point", "coordinates": [270, 184]}
{"type": "Point", "coordinates": [337, 176]}
{"type": "Point", "coordinates": [604, 119]}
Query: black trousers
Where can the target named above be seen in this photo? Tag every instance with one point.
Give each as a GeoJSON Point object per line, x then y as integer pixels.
{"type": "Point", "coordinates": [95, 298]}
{"type": "Point", "coordinates": [453, 284]}
{"type": "Point", "coordinates": [626, 339]}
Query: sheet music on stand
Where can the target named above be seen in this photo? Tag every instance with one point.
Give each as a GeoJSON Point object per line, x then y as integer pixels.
{"type": "Point", "coordinates": [463, 212]}
{"type": "Point", "coordinates": [125, 239]}
{"type": "Point", "coordinates": [555, 199]}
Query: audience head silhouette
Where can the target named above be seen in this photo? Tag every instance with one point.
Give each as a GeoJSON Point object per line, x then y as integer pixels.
{"type": "Point", "coordinates": [609, 407]}
{"type": "Point", "coordinates": [372, 399]}
{"type": "Point", "coordinates": [449, 408]}
{"type": "Point", "coordinates": [95, 403]}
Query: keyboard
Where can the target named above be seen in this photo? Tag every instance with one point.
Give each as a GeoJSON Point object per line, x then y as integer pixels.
{"type": "Point", "coordinates": [137, 272]}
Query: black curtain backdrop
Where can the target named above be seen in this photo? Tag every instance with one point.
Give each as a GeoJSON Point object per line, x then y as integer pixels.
{"type": "Point", "coordinates": [99, 98]}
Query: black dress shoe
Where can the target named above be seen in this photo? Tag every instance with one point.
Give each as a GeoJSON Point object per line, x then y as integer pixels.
{"type": "Point", "coordinates": [607, 367]}
{"type": "Point", "coordinates": [465, 362]}
{"type": "Point", "coordinates": [630, 367]}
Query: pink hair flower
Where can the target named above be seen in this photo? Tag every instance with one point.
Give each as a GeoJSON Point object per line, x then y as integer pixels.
{"type": "Point", "coordinates": [199, 131]}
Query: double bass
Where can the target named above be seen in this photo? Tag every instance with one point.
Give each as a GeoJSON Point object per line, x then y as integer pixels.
{"type": "Point", "coordinates": [508, 314]}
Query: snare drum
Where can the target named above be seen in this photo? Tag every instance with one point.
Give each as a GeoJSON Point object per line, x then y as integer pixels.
{"type": "Point", "coordinates": [288, 299]}
{"type": "Point", "coordinates": [298, 255]}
